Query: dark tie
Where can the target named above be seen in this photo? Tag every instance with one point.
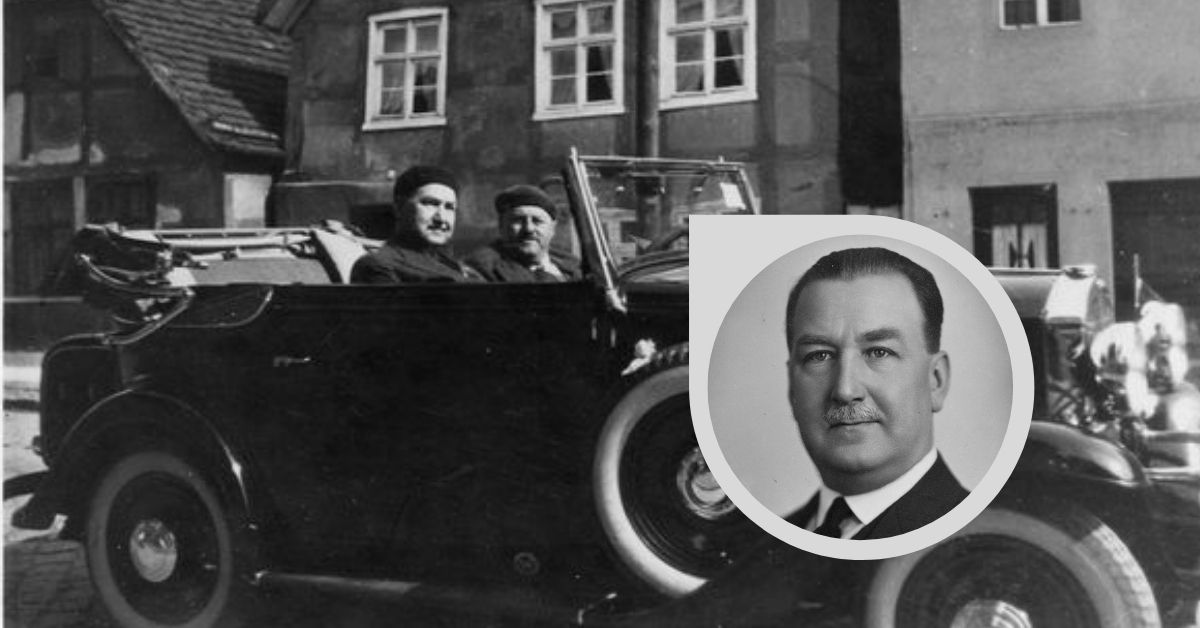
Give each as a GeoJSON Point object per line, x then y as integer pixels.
{"type": "Point", "coordinates": [838, 513]}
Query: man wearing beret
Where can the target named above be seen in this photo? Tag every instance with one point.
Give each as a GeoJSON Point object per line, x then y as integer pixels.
{"type": "Point", "coordinates": [528, 218]}
{"type": "Point", "coordinates": [425, 199]}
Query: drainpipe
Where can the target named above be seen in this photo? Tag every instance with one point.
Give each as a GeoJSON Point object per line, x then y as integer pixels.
{"type": "Point", "coordinates": [647, 129]}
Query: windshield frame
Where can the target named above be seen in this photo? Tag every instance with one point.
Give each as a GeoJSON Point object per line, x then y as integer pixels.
{"type": "Point", "coordinates": [579, 167]}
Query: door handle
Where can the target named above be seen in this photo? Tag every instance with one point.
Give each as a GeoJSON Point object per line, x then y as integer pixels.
{"type": "Point", "coordinates": [284, 361]}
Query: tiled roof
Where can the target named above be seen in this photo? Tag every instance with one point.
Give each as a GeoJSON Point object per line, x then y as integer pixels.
{"type": "Point", "coordinates": [227, 74]}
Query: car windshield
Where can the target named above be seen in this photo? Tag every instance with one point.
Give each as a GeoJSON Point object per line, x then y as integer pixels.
{"type": "Point", "coordinates": [643, 205]}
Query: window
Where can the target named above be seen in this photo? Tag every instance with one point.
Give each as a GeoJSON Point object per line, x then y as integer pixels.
{"type": "Point", "coordinates": [406, 71]}
{"type": "Point", "coordinates": [1016, 226]}
{"type": "Point", "coordinates": [578, 63]}
{"type": "Point", "coordinates": [707, 52]}
{"type": "Point", "coordinates": [1026, 13]}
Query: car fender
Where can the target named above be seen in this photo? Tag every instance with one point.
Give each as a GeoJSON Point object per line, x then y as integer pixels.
{"type": "Point", "coordinates": [129, 420]}
{"type": "Point", "coordinates": [1060, 450]}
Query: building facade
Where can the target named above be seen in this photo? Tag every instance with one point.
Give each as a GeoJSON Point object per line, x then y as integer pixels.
{"type": "Point", "coordinates": [149, 113]}
{"type": "Point", "coordinates": [1056, 132]}
{"type": "Point", "coordinates": [501, 90]}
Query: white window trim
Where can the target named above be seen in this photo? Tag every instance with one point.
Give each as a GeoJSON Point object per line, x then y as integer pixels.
{"type": "Point", "coordinates": [372, 121]}
{"type": "Point", "coordinates": [543, 110]}
{"type": "Point", "coordinates": [748, 92]}
{"type": "Point", "coordinates": [1043, 18]}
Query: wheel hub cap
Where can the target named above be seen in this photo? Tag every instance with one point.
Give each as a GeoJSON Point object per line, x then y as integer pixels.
{"type": "Point", "coordinates": [153, 550]}
{"type": "Point", "coordinates": [991, 614]}
{"type": "Point", "coordinates": [699, 489]}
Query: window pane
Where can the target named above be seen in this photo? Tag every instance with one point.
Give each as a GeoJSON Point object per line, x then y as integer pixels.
{"type": "Point", "coordinates": [562, 62]}
{"type": "Point", "coordinates": [393, 74]}
{"type": "Point", "coordinates": [392, 102]}
{"type": "Point", "coordinates": [689, 77]}
{"type": "Point", "coordinates": [600, 19]}
{"type": "Point", "coordinates": [425, 100]}
{"type": "Point", "coordinates": [1063, 11]}
{"type": "Point", "coordinates": [729, 8]}
{"type": "Point", "coordinates": [689, 48]}
{"type": "Point", "coordinates": [599, 58]}
{"type": "Point", "coordinates": [562, 91]}
{"type": "Point", "coordinates": [393, 38]}
{"type": "Point", "coordinates": [562, 24]}
{"type": "Point", "coordinates": [1017, 12]}
{"type": "Point", "coordinates": [687, 11]}
{"type": "Point", "coordinates": [599, 87]}
{"type": "Point", "coordinates": [728, 73]}
{"type": "Point", "coordinates": [728, 42]}
{"type": "Point", "coordinates": [425, 73]}
{"type": "Point", "coordinates": [427, 36]}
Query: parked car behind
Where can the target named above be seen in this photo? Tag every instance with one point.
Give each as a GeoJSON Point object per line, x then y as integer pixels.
{"type": "Point", "coordinates": [255, 423]}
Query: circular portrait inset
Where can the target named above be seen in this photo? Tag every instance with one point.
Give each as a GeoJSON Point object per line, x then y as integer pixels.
{"type": "Point", "coordinates": [868, 385]}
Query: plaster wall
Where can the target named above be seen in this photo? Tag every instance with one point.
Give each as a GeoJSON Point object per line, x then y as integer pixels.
{"type": "Point", "coordinates": [1079, 153]}
{"type": "Point", "coordinates": [958, 61]}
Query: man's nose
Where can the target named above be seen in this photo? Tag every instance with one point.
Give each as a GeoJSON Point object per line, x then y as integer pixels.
{"type": "Point", "coordinates": [848, 385]}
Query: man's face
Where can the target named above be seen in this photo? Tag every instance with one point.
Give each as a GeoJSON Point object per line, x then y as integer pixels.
{"type": "Point", "coordinates": [429, 213]}
{"type": "Point", "coordinates": [527, 231]}
{"type": "Point", "coordinates": [861, 381]}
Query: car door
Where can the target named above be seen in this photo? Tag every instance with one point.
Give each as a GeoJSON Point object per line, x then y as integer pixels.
{"type": "Point", "coordinates": [427, 418]}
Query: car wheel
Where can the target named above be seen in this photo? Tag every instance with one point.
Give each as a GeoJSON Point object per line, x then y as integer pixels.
{"type": "Point", "coordinates": [1062, 568]}
{"type": "Point", "coordinates": [664, 515]}
{"type": "Point", "coordinates": [160, 546]}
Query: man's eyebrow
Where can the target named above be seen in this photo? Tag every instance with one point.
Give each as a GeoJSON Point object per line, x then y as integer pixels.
{"type": "Point", "coordinates": [812, 339]}
{"type": "Point", "coordinates": [877, 335]}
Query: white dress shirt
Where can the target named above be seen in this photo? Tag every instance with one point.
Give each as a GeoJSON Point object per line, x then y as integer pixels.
{"type": "Point", "coordinates": [866, 507]}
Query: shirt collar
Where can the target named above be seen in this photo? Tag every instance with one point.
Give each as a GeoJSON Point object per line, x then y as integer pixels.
{"type": "Point", "coordinates": [866, 507]}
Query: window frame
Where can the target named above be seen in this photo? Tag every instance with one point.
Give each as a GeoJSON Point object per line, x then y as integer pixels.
{"type": "Point", "coordinates": [669, 98]}
{"type": "Point", "coordinates": [543, 86]}
{"type": "Point", "coordinates": [1042, 17]}
{"type": "Point", "coordinates": [373, 119]}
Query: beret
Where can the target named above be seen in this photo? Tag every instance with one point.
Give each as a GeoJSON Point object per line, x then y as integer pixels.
{"type": "Point", "coordinates": [518, 195]}
{"type": "Point", "coordinates": [412, 179]}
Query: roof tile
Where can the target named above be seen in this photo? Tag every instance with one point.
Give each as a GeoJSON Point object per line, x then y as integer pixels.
{"type": "Point", "coordinates": [227, 74]}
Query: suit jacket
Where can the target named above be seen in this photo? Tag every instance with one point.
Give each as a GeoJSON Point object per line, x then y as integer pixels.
{"type": "Point", "coordinates": [400, 262]}
{"type": "Point", "coordinates": [492, 262]}
{"type": "Point", "coordinates": [936, 494]}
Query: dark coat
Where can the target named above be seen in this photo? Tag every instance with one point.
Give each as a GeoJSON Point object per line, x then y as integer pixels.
{"type": "Point", "coordinates": [398, 262]}
{"type": "Point", "coordinates": [936, 494]}
{"type": "Point", "coordinates": [492, 262]}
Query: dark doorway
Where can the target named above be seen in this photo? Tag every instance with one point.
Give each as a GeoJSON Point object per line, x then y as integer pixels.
{"type": "Point", "coordinates": [1015, 226]}
{"type": "Point", "coordinates": [1159, 223]}
{"type": "Point", "coordinates": [42, 223]}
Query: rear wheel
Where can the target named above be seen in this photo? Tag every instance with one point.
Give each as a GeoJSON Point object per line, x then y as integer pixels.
{"type": "Point", "coordinates": [160, 545]}
{"type": "Point", "coordinates": [1061, 569]}
{"type": "Point", "coordinates": [666, 518]}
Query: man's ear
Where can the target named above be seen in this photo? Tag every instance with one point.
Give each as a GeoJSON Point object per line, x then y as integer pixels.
{"type": "Point", "coordinates": [939, 379]}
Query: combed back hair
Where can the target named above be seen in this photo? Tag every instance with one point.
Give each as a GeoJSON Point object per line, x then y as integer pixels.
{"type": "Point", "coordinates": [850, 264]}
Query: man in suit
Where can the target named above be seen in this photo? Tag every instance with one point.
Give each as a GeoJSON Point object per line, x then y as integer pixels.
{"type": "Point", "coordinates": [528, 219]}
{"type": "Point", "coordinates": [425, 204]}
{"type": "Point", "coordinates": [866, 373]}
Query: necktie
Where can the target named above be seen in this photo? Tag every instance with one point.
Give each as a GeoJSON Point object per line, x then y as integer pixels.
{"type": "Point", "coordinates": [838, 513]}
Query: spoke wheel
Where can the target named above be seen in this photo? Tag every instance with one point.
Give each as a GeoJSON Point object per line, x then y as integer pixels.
{"type": "Point", "coordinates": [664, 515]}
{"type": "Point", "coordinates": [1060, 569]}
{"type": "Point", "coordinates": [159, 546]}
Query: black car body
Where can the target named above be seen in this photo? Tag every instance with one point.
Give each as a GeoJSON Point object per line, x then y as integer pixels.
{"type": "Point", "coordinates": [252, 422]}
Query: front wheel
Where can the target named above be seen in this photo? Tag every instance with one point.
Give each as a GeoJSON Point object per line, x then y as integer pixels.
{"type": "Point", "coordinates": [160, 545]}
{"type": "Point", "coordinates": [1063, 568]}
{"type": "Point", "coordinates": [666, 518]}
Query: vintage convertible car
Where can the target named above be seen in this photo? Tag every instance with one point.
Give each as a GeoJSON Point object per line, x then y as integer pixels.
{"type": "Point", "coordinates": [527, 450]}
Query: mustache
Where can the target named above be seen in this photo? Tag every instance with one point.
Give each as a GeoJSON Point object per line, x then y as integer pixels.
{"type": "Point", "coordinates": [851, 414]}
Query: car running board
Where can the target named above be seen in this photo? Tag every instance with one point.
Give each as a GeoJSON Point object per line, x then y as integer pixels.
{"type": "Point", "coordinates": [483, 599]}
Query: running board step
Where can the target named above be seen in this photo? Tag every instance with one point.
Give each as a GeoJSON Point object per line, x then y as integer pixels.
{"type": "Point", "coordinates": [486, 599]}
